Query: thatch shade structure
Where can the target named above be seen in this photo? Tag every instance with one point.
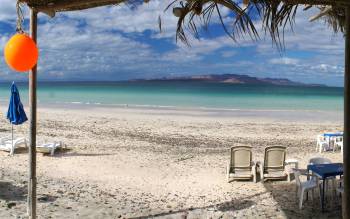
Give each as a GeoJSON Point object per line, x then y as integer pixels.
{"type": "Point", "coordinates": [275, 15]}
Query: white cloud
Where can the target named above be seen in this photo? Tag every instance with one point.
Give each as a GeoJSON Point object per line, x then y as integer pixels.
{"type": "Point", "coordinates": [284, 61]}
{"type": "Point", "coordinates": [228, 54]}
{"type": "Point", "coordinates": [109, 42]}
{"type": "Point", "coordinates": [7, 10]}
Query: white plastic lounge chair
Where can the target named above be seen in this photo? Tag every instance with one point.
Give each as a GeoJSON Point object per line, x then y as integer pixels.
{"type": "Point", "coordinates": [241, 166]}
{"type": "Point", "coordinates": [6, 144]}
{"type": "Point", "coordinates": [49, 148]}
{"type": "Point", "coordinates": [322, 143]}
{"type": "Point", "coordinates": [274, 164]}
{"type": "Point", "coordinates": [304, 186]}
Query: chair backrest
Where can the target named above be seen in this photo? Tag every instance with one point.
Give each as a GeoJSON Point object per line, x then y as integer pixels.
{"type": "Point", "coordinates": [319, 160]}
{"type": "Point", "coordinates": [275, 157]}
{"type": "Point", "coordinates": [297, 176]}
{"type": "Point", "coordinates": [241, 157]}
{"type": "Point", "coordinates": [321, 138]}
{"type": "Point", "coordinates": [339, 139]}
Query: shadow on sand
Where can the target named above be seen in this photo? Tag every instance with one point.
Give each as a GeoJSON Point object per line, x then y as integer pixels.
{"type": "Point", "coordinates": [236, 204]}
{"type": "Point", "coordinates": [284, 193]}
{"type": "Point", "coordinates": [11, 192]}
{"type": "Point", "coordinates": [76, 154]}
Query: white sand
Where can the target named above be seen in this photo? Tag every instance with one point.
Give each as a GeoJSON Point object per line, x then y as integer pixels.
{"type": "Point", "coordinates": [167, 163]}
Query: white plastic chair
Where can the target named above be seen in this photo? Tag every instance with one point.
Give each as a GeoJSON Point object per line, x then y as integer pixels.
{"type": "Point", "coordinates": [6, 144]}
{"type": "Point", "coordinates": [49, 148]}
{"type": "Point", "coordinates": [338, 143]}
{"type": "Point", "coordinates": [305, 186]}
{"type": "Point", "coordinates": [319, 160]}
{"type": "Point", "coordinates": [340, 188]}
{"type": "Point", "coordinates": [322, 143]}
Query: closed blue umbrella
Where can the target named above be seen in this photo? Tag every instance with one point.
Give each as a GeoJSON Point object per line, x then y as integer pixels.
{"type": "Point", "coordinates": [15, 112]}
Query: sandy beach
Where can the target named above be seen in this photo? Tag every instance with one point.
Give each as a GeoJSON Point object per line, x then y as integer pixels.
{"type": "Point", "coordinates": [161, 163]}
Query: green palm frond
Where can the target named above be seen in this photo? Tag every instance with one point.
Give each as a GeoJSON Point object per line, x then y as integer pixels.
{"type": "Point", "coordinates": [275, 15]}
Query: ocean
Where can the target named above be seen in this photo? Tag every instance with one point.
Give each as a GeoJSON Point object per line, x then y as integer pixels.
{"type": "Point", "coordinates": [184, 95]}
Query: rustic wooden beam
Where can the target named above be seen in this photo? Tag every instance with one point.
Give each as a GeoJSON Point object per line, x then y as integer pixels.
{"type": "Point", "coordinates": [71, 5]}
{"type": "Point", "coordinates": [316, 2]}
{"type": "Point", "coordinates": [346, 143]}
{"type": "Point", "coordinates": [32, 124]}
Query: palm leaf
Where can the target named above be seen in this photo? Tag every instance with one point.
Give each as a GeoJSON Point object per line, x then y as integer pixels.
{"type": "Point", "coordinates": [276, 16]}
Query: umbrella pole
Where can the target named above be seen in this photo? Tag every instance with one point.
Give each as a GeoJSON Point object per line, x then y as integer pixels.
{"type": "Point", "coordinates": [12, 151]}
{"type": "Point", "coordinates": [346, 143]}
{"type": "Point", "coordinates": [32, 123]}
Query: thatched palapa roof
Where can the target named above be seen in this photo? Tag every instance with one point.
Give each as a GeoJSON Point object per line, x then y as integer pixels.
{"type": "Point", "coordinates": [68, 5]}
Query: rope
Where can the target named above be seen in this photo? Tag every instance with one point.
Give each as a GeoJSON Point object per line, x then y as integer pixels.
{"type": "Point", "coordinates": [20, 17]}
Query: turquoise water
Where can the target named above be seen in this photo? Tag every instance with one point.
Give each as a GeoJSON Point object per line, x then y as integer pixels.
{"type": "Point", "coordinates": [185, 94]}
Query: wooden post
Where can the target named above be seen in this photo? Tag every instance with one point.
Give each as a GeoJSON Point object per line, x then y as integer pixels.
{"type": "Point", "coordinates": [346, 149]}
{"type": "Point", "coordinates": [32, 124]}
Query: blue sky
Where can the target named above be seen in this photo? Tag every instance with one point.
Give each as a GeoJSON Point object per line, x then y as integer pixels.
{"type": "Point", "coordinates": [119, 43]}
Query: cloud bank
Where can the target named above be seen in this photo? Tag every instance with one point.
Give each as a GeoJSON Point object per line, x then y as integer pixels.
{"type": "Point", "coordinates": [124, 42]}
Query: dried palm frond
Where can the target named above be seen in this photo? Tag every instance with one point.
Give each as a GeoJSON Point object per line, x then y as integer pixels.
{"type": "Point", "coordinates": [336, 19]}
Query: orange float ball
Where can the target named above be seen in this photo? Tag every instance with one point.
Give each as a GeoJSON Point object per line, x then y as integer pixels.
{"type": "Point", "coordinates": [21, 53]}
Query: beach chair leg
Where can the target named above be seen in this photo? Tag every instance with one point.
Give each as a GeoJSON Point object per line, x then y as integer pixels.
{"type": "Point", "coordinates": [320, 192]}
{"type": "Point", "coordinates": [52, 151]}
{"type": "Point", "coordinates": [254, 173]}
{"type": "Point", "coordinates": [301, 199]}
{"type": "Point", "coordinates": [228, 173]}
{"type": "Point", "coordinates": [261, 165]}
{"type": "Point", "coordinates": [12, 152]}
{"type": "Point", "coordinates": [334, 187]}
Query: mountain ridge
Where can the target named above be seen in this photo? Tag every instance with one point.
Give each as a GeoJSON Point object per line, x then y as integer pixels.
{"type": "Point", "coordinates": [233, 79]}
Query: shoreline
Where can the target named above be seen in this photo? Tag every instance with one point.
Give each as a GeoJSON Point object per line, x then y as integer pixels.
{"type": "Point", "coordinates": [283, 115]}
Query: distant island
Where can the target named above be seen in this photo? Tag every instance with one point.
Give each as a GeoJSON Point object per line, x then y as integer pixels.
{"type": "Point", "coordinates": [233, 79]}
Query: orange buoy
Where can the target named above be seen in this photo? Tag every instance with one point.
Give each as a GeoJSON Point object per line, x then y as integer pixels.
{"type": "Point", "coordinates": [21, 53]}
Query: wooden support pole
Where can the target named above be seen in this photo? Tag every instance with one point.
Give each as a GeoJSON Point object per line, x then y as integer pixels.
{"type": "Point", "coordinates": [32, 124]}
{"type": "Point", "coordinates": [346, 148]}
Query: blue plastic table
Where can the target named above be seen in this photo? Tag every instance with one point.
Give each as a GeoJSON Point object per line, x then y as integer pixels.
{"type": "Point", "coordinates": [323, 171]}
{"type": "Point", "coordinates": [333, 134]}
